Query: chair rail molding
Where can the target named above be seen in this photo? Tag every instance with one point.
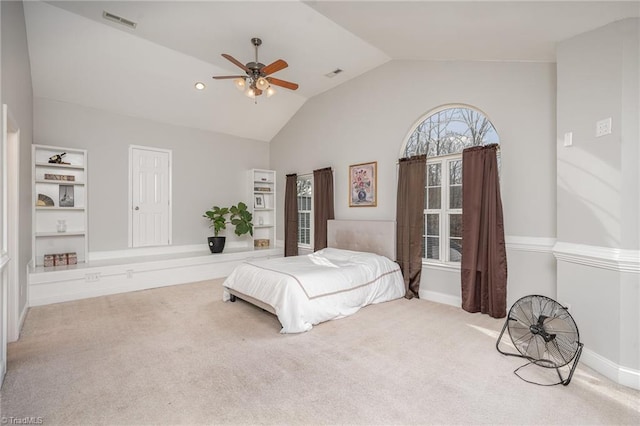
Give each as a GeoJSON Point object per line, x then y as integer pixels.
{"type": "Point", "coordinates": [533, 244]}
{"type": "Point", "coordinates": [614, 259]}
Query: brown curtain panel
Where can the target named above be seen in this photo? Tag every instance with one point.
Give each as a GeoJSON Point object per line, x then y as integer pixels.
{"type": "Point", "coordinates": [291, 216]}
{"type": "Point", "coordinates": [322, 205]}
{"type": "Point", "coordinates": [484, 255]}
{"type": "Point", "coordinates": [410, 221]}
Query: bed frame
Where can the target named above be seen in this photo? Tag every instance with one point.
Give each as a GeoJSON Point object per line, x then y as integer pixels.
{"type": "Point", "coordinates": [372, 236]}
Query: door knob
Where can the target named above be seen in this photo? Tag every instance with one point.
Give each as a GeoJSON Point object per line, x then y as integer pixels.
{"type": "Point", "coordinates": [137, 208]}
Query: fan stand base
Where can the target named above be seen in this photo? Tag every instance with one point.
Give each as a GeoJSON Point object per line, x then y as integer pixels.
{"type": "Point", "coordinates": [540, 363]}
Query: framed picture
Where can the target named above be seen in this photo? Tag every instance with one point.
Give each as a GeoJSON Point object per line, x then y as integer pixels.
{"type": "Point", "coordinates": [66, 196]}
{"type": "Point", "coordinates": [259, 201]}
{"type": "Point", "coordinates": [363, 185]}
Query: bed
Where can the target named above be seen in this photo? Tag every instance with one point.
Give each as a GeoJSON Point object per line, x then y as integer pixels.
{"type": "Point", "coordinates": [355, 270]}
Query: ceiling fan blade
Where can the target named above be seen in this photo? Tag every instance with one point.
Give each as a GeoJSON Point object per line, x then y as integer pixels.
{"type": "Point", "coordinates": [222, 77]}
{"type": "Point", "coordinates": [274, 66]}
{"type": "Point", "coordinates": [237, 62]}
{"type": "Point", "coordinates": [282, 83]}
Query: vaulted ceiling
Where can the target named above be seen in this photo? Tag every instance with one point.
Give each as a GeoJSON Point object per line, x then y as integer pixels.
{"type": "Point", "coordinates": [149, 72]}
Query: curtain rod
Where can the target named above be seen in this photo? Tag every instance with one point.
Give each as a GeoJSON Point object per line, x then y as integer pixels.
{"type": "Point", "coordinates": [311, 173]}
{"type": "Point", "coordinates": [497, 147]}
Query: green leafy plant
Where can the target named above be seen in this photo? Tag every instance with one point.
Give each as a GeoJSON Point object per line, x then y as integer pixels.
{"type": "Point", "coordinates": [218, 218]}
{"type": "Point", "coordinates": [240, 217]}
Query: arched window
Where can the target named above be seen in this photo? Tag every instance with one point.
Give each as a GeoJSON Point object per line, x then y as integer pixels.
{"type": "Point", "coordinates": [443, 135]}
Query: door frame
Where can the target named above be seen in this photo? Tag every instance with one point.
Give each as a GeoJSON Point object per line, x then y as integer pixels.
{"type": "Point", "coordinates": [11, 222]}
{"type": "Point", "coordinates": [130, 197]}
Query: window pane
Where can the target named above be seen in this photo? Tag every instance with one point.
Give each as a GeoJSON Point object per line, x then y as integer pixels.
{"type": "Point", "coordinates": [303, 185]}
{"type": "Point", "coordinates": [433, 198]}
{"type": "Point", "coordinates": [455, 184]}
{"type": "Point", "coordinates": [455, 249]}
{"type": "Point", "coordinates": [433, 248]}
{"type": "Point", "coordinates": [455, 172]}
{"type": "Point", "coordinates": [455, 225]}
{"type": "Point", "coordinates": [455, 197]}
{"type": "Point", "coordinates": [449, 131]}
{"type": "Point", "coordinates": [433, 224]}
{"type": "Point", "coordinates": [305, 193]}
{"type": "Point", "coordinates": [434, 174]}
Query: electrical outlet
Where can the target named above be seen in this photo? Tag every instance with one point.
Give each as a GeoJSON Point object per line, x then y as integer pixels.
{"type": "Point", "coordinates": [92, 277]}
{"type": "Point", "coordinates": [603, 127]}
{"type": "Point", "coordinates": [129, 273]}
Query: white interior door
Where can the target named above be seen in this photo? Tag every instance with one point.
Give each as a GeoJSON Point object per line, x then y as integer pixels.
{"type": "Point", "coordinates": [150, 171]}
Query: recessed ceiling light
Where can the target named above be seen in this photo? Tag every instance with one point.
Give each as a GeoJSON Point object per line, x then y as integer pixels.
{"type": "Point", "coordinates": [199, 85]}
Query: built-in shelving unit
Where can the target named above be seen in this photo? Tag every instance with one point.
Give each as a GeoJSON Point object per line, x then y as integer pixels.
{"type": "Point", "coordinates": [59, 203]}
{"type": "Point", "coordinates": [263, 207]}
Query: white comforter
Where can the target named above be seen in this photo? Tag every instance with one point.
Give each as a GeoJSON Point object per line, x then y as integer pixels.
{"type": "Point", "coordinates": [328, 284]}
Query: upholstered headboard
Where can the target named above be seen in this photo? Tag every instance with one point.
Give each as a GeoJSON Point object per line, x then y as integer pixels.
{"type": "Point", "coordinates": [374, 236]}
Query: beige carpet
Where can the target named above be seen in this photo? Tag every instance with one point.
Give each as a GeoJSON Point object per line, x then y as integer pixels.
{"type": "Point", "coordinates": [179, 355]}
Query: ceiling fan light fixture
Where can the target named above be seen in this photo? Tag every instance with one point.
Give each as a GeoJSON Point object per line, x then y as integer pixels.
{"type": "Point", "coordinates": [262, 83]}
{"type": "Point", "coordinates": [240, 83]}
{"type": "Point", "coordinates": [258, 78]}
{"type": "Point", "coordinates": [270, 91]}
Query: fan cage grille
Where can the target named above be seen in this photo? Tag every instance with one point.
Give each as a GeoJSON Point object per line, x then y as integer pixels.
{"type": "Point", "coordinates": [543, 331]}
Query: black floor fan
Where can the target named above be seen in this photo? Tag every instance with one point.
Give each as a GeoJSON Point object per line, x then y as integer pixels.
{"type": "Point", "coordinates": [543, 332]}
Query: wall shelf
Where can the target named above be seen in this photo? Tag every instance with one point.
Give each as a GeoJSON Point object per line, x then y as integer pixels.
{"type": "Point", "coordinates": [60, 166]}
{"type": "Point", "coordinates": [58, 182]}
{"type": "Point", "coordinates": [41, 208]}
{"type": "Point", "coordinates": [59, 234]}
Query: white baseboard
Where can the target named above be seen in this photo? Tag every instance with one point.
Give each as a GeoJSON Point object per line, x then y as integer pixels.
{"type": "Point", "coordinates": [21, 318]}
{"type": "Point", "coordinates": [446, 299]}
{"type": "Point", "coordinates": [100, 278]}
{"type": "Point", "coordinates": [623, 375]}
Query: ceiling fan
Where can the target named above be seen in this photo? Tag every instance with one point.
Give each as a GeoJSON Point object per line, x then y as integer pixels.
{"type": "Point", "coordinates": [258, 78]}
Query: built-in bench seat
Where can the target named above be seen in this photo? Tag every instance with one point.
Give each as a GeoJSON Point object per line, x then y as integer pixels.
{"type": "Point", "coordinates": [109, 275]}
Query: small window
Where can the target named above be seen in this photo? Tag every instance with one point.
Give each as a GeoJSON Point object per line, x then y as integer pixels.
{"type": "Point", "coordinates": [443, 135]}
{"type": "Point", "coordinates": [305, 210]}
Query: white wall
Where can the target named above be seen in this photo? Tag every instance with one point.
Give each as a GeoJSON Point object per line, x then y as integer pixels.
{"type": "Point", "coordinates": [208, 168]}
{"type": "Point", "coordinates": [18, 95]}
{"type": "Point", "coordinates": [598, 177]}
{"type": "Point", "coordinates": [598, 195]}
{"type": "Point", "coordinates": [368, 119]}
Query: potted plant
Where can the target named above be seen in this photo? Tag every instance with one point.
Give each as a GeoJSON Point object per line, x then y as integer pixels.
{"type": "Point", "coordinates": [218, 221]}
{"type": "Point", "coordinates": [239, 217]}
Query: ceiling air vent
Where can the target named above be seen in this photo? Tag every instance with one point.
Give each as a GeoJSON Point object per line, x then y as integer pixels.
{"type": "Point", "coordinates": [333, 73]}
{"type": "Point", "coordinates": [119, 19]}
